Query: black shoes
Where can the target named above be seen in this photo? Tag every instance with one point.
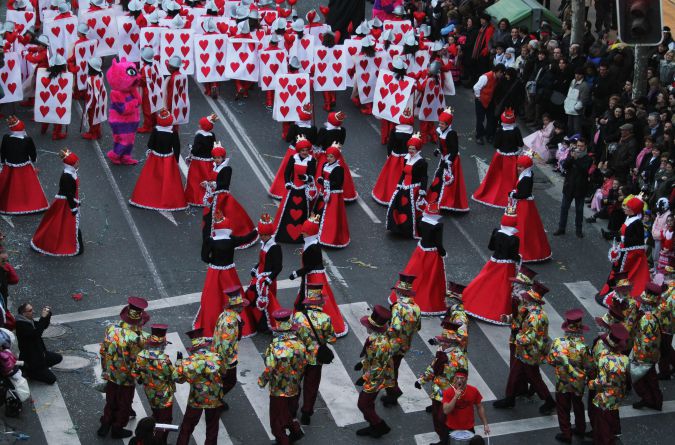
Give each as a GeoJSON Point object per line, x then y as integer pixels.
{"type": "Point", "coordinates": [364, 431]}
{"type": "Point", "coordinates": [506, 402]}
{"type": "Point", "coordinates": [560, 437]}
{"type": "Point", "coordinates": [389, 401]}
{"type": "Point", "coordinates": [120, 433]}
{"type": "Point", "coordinates": [559, 232]}
{"type": "Point", "coordinates": [296, 435]}
{"type": "Point", "coordinates": [548, 406]}
{"type": "Point", "coordinates": [305, 418]}
{"type": "Point", "coordinates": [103, 430]}
{"type": "Point", "coordinates": [380, 430]}
{"type": "Point", "coordinates": [580, 234]}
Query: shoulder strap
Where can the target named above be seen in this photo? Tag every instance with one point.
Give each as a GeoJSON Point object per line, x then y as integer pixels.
{"type": "Point", "coordinates": [316, 336]}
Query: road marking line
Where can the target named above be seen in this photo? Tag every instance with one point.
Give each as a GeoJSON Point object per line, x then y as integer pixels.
{"type": "Point", "coordinates": [251, 366]}
{"type": "Point", "coordinates": [368, 211]}
{"type": "Point", "coordinates": [545, 422]}
{"type": "Point", "coordinates": [127, 215]}
{"type": "Point", "coordinates": [338, 392]}
{"type": "Point", "coordinates": [183, 393]}
{"type": "Point", "coordinates": [51, 409]}
{"type": "Point", "coordinates": [585, 292]}
{"type": "Point", "coordinates": [8, 220]}
{"type": "Point", "coordinates": [182, 165]}
{"type": "Point", "coordinates": [431, 328]}
{"type": "Point", "coordinates": [412, 399]}
{"type": "Point", "coordinates": [482, 167]}
{"type": "Point", "coordinates": [373, 126]}
{"type": "Point", "coordinates": [168, 215]}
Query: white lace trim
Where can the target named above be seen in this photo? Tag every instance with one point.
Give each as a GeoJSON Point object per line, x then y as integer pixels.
{"type": "Point", "coordinates": [228, 267]}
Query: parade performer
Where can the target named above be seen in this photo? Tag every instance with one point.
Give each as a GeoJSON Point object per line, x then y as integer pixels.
{"type": "Point", "coordinates": [455, 314]}
{"type": "Point", "coordinates": [313, 272]}
{"type": "Point", "coordinates": [20, 188]}
{"type": "Point", "coordinates": [429, 88]}
{"type": "Point", "coordinates": [262, 290]}
{"type": "Point", "coordinates": [314, 329]}
{"type": "Point", "coordinates": [405, 323]}
{"type": "Point", "coordinates": [304, 128]}
{"type": "Point", "coordinates": [57, 68]}
{"type": "Point", "coordinates": [200, 161]}
{"type": "Point", "coordinates": [571, 359]}
{"type": "Point", "coordinates": [399, 67]}
{"type": "Point", "coordinates": [59, 231]}
{"type": "Point", "coordinates": [333, 132]}
{"type": "Point", "coordinates": [218, 197]}
{"type": "Point", "coordinates": [159, 186]}
{"type": "Point", "coordinates": [365, 76]}
{"type": "Point", "coordinates": [488, 296]}
{"type": "Point", "coordinates": [124, 116]}
{"type": "Point", "coordinates": [501, 176]}
{"type": "Point", "coordinates": [149, 71]}
{"type": "Point", "coordinates": [377, 365]}
{"type": "Point", "coordinates": [620, 299]}
{"type": "Point", "coordinates": [666, 317]}
{"type": "Point", "coordinates": [300, 188]}
{"type": "Point", "coordinates": [174, 100]}
{"type": "Point", "coordinates": [38, 56]}
{"type": "Point", "coordinates": [226, 335]}
{"type": "Point", "coordinates": [534, 244]}
{"type": "Point", "coordinates": [202, 369]}
{"type": "Point", "coordinates": [427, 263]}
{"type": "Point", "coordinates": [284, 358]}
{"type": "Point", "coordinates": [646, 350]}
{"type": "Point", "coordinates": [449, 358]}
{"type": "Point", "coordinates": [218, 253]}
{"type": "Point", "coordinates": [397, 149]}
{"type": "Point", "coordinates": [154, 370]}
{"type": "Point", "coordinates": [448, 186]}
{"type": "Point", "coordinates": [532, 344]}
{"type": "Point", "coordinates": [121, 344]}
{"type": "Point", "coordinates": [610, 386]}
{"type": "Point", "coordinates": [630, 254]}
{"type": "Point", "coordinates": [96, 99]}
{"type": "Point", "coordinates": [334, 228]}
{"type": "Point", "coordinates": [403, 213]}
{"type": "Point", "coordinates": [82, 31]}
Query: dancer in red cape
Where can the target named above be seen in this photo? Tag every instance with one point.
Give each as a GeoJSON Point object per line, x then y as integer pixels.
{"type": "Point", "coordinates": [334, 229]}
{"type": "Point", "coordinates": [397, 149]}
{"type": "Point", "coordinates": [200, 161]}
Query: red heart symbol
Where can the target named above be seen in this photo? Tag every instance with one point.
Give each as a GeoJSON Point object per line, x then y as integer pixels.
{"type": "Point", "coordinates": [220, 69]}
{"type": "Point", "coordinates": [297, 200]}
{"type": "Point", "coordinates": [384, 92]}
{"type": "Point", "coordinates": [284, 110]}
{"type": "Point", "coordinates": [219, 56]}
{"type": "Point", "coordinates": [321, 66]}
{"type": "Point", "coordinates": [56, 31]}
{"type": "Point", "coordinates": [4, 76]}
{"type": "Point", "coordinates": [250, 67]}
{"type": "Point", "coordinates": [106, 20]}
{"type": "Point", "coordinates": [392, 87]}
{"type": "Point", "coordinates": [352, 50]}
{"type": "Point", "coordinates": [426, 111]}
{"type": "Point", "coordinates": [10, 64]}
{"type": "Point", "coordinates": [294, 231]}
{"type": "Point", "coordinates": [219, 43]}
{"type": "Point", "coordinates": [29, 16]}
{"type": "Point", "coordinates": [378, 61]}
{"type": "Point", "coordinates": [305, 42]}
{"type": "Point", "coordinates": [274, 67]}
{"type": "Point", "coordinates": [337, 53]}
{"type": "Point", "coordinates": [110, 41]}
{"type": "Point", "coordinates": [283, 81]}
{"type": "Point", "coordinates": [380, 106]}
{"type": "Point", "coordinates": [292, 89]}
{"type": "Point", "coordinates": [321, 80]}
{"type": "Point", "coordinates": [435, 182]}
{"type": "Point", "coordinates": [265, 57]}
{"type": "Point", "coordinates": [70, 27]}
{"type": "Point", "coordinates": [185, 37]}
{"type": "Point", "coordinates": [11, 87]}
{"type": "Point", "coordinates": [149, 36]}
{"type": "Point", "coordinates": [222, 27]}
{"type": "Point", "coordinates": [185, 50]}
{"type": "Point", "coordinates": [44, 110]}
{"type": "Point", "coordinates": [60, 111]}
{"type": "Point", "coordinates": [398, 98]}
{"type": "Point", "coordinates": [127, 48]}
{"type": "Point", "coordinates": [296, 214]}
{"type": "Point", "coordinates": [399, 218]}
{"type": "Point", "coordinates": [365, 77]}
{"type": "Point", "coordinates": [243, 56]}
{"type": "Point", "coordinates": [53, 89]}
{"type": "Point", "coordinates": [83, 78]}
{"type": "Point", "coordinates": [100, 32]}
{"type": "Point", "coordinates": [204, 57]}
{"type": "Point", "coordinates": [321, 53]}
{"type": "Point", "coordinates": [45, 81]}
{"type": "Point", "coordinates": [169, 50]}
{"type": "Point", "coordinates": [395, 110]}
{"type": "Point", "coordinates": [204, 44]}
{"type": "Point", "coordinates": [404, 200]}
{"type": "Point", "coordinates": [300, 82]}
{"type": "Point", "coordinates": [236, 45]}
{"type": "Point", "coordinates": [134, 37]}
{"type": "Point", "coordinates": [82, 51]}
{"type": "Point", "coordinates": [60, 51]}
{"type": "Point", "coordinates": [63, 82]}
{"type": "Point", "coordinates": [44, 96]}
{"type": "Point", "coordinates": [127, 27]}
{"type": "Point", "coordinates": [284, 96]}
{"type": "Point", "coordinates": [169, 37]}
{"type": "Point", "coordinates": [387, 78]}
{"type": "Point", "coordinates": [61, 97]}
{"type": "Point", "coordinates": [280, 56]}
{"type": "Point", "coordinates": [205, 71]}
{"type": "Point", "coordinates": [403, 84]}
{"type": "Point", "coordinates": [337, 67]}
{"type": "Point", "coordinates": [267, 80]}
{"type": "Point", "coordinates": [304, 64]}
{"type": "Point", "coordinates": [301, 96]}
{"type": "Point", "coordinates": [337, 80]}
{"type": "Point", "coordinates": [366, 90]}
{"type": "Point", "coordinates": [433, 196]}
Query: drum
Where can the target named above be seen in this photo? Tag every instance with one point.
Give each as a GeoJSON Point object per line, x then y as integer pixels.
{"type": "Point", "coordinates": [461, 437]}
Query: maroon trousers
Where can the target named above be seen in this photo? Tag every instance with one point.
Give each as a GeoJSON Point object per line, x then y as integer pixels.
{"type": "Point", "coordinates": [162, 415]}
{"type": "Point", "coordinates": [520, 372]}
{"type": "Point", "coordinates": [366, 405]}
{"type": "Point", "coordinates": [648, 389]}
{"type": "Point", "coordinates": [667, 361]}
{"type": "Point", "coordinates": [592, 410]}
{"type": "Point", "coordinates": [395, 391]}
{"type": "Point", "coordinates": [229, 380]}
{"type": "Point", "coordinates": [566, 401]}
{"type": "Point", "coordinates": [310, 388]}
{"type": "Point", "coordinates": [282, 413]}
{"type": "Point", "coordinates": [438, 418]}
{"type": "Point", "coordinates": [190, 421]}
{"type": "Point", "coordinates": [117, 408]}
{"type": "Point", "coordinates": [604, 426]}
{"type": "Point", "coordinates": [521, 386]}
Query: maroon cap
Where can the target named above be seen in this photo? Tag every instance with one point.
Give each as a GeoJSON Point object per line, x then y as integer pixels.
{"type": "Point", "coordinates": [618, 335]}
{"type": "Point", "coordinates": [656, 289]}
{"type": "Point", "coordinates": [525, 275]}
{"type": "Point", "coordinates": [134, 312]}
{"type": "Point", "coordinates": [159, 329]}
{"type": "Point", "coordinates": [138, 303]}
{"type": "Point", "coordinates": [377, 321]}
{"type": "Point", "coordinates": [282, 314]}
{"type": "Point", "coordinates": [456, 287]}
{"type": "Point", "coordinates": [573, 321]}
{"type": "Point", "coordinates": [404, 285]}
{"type": "Point", "coordinates": [195, 333]}
{"type": "Point", "coordinates": [314, 286]}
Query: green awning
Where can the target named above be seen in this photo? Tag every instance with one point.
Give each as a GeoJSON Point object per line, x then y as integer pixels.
{"type": "Point", "coordinates": [524, 13]}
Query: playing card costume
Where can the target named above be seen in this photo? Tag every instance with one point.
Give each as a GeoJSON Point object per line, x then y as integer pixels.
{"type": "Point", "coordinates": [313, 272]}
{"type": "Point", "coordinates": [488, 296]}
{"type": "Point", "coordinates": [334, 228]}
{"type": "Point", "coordinates": [96, 99]}
{"type": "Point", "coordinates": [151, 83]}
{"type": "Point", "coordinates": [124, 116]}
{"type": "Point", "coordinates": [159, 186]}
{"type": "Point", "coordinates": [200, 161]}
{"type": "Point", "coordinates": [20, 188]}
{"type": "Point", "coordinates": [53, 95]}
{"type": "Point", "coordinates": [427, 263]}
{"type": "Point", "coordinates": [448, 186]}
{"type": "Point", "coordinates": [59, 231]}
{"type": "Point", "coordinates": [501, 176]}
{"type": "Point", "coordinates": [404, 212]}
{"type": "Point", "coordinates": [534, 244]}
{"type": "Point", "coordinates": [397, 149]}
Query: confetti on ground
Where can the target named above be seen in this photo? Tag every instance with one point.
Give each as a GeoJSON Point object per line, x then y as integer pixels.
{"type": "Point", "coordinates": [361, 263]}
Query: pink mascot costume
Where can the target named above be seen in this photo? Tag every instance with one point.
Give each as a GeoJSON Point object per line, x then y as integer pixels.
{"type": "Point", "coordinates": [124, 115]}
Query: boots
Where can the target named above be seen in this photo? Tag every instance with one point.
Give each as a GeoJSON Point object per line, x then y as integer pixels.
{"type": "Point", "coordinates": [103, 430]}
{"type": "Point", "coordinates": [389, 400]}
{"type": "Point", "coordinates": [380, 430]}
{"type": "Point", "coordinates": [128, 160]}
{"type": "Point", "coordinates": [365, 431]}
{"type": "Point", "coordinates": [305, 418]}
{"type": "Point", "coordinates": [57, 133]}
{"type": "Point", "coordinates": [548, 406]}
{"type": "Point", "coordinates": [120, 433]}
{"type": "Point", "coordinates": [506, 402]}
{"type": "Point", "coordinates": [114, 157]}
{"type": "Point", "coordinates": [214, 91]}
{"type": "Point", "coordinates": [296, 435]}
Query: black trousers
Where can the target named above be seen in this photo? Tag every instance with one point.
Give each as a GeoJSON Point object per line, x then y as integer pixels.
{"type": "Point", "coordinates": [44, 374]}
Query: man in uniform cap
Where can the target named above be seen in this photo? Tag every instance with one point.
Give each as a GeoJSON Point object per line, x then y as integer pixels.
{"type": "Point", "coordinates": [285, 361]}
{"type": "Point", "coordinates": [203, 370]}
{"type": "Point", "coordinates": [121, 344]}
{"type": "Point", "coordinates": [456, 314]}
{"type": "Point", "coordinates": [646, 348]}
{"type": "Point", "coordinates": [377, 365]}
{"type": "Point", "coordinates": [405, 322]}
{"type": "Point", "coordinates": [571, 360]}
{"type": "Point", "coordinates": [154, 371]}
{"type": "Point", "coordinates": [314, 328]}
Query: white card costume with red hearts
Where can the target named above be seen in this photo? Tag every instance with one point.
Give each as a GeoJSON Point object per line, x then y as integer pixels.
{"type": "Point", "coordinates": [432, 100]}
{"type": "Point", "coordinates": [222, 24]}
{"type": "Point", "coordinates": [273, 62]}
{"type": "Point", "coordinates": [176, 42]}
{"type": "Point", "coordinates": [317, 30]}
{"type": "Point", "coordinates": [150, 36]}
{"type": "Point", "coordinates": [10, 78]}
{"type": "Point", "coordinates": [419, 62]}
{"type": "Point", "coordinates": [353, 48]}
{"type": "Point", "coordinates": [330, 68]}
{"type": "Point", "coordinates": [365, 78]}
{"type": "Point", "coordinates": [292, 91]}
{"type": "Point", "coordinates": [53, 97]}
{"type": "Point", "coordinates": [154, 83]}
{"type": "Point", "coordinates": [22, 18]}
{"type": "Point", "coordinates": [62, 35]}
{"type": "Point", "coordinates": [386, 56]}
{"type": "Point", "coordinates": [97, 99]}
{"type": "Point", "coordinates": [191, 18]}
{"type": "Point", "coordinates": [392, 96]}
{"type": "Point", "coordinates": [398, 27]}
{"type": "Point", "coordinates": [176, 98]}
{"type": "Point", "coordinates": [242, 59]}
{"type": "Point", "coordinates": [128, 39]}
{"type": "Point", "coordinates": [210, 57]}
{"type": "Point", "coordinates": [303, 49]}
{"type": "Point", "coordinates": [103, 28]}
{"type": "Point", "coordinates": [83, 52]}
{"type": "Point", "coordinates": [448, 81]}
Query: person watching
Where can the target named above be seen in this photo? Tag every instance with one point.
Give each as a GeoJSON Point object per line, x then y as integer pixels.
{"type": "Point", "coordinates": [458, 404]}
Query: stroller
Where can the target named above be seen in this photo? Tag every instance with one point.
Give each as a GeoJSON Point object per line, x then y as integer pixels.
{"type": "Point", "coordinates": [10, 397]}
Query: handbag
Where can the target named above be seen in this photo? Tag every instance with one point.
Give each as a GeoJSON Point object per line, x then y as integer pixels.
{"type": "Point", "coordinates": [324, 355]}
{"type": "Point", "coordinates": [20, 384]}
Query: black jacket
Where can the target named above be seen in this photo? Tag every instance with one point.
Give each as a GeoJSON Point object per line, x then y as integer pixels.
{"type": "Point", "coordinates": [32, 348]}
{"type": "Point", "coordinates": [524, 188]}
{"type": "Point", "coordinates": [202, 146]}
{"type": "Point", "coordinates": [326, 137]}
{"type": "Point", "coordinates": [508, 141]}
{"type": "Point", "coordinates": [221, 252]}
{"type": "Point", "coordinates": [164, 142]}
{"type": "Point", "coordinates": [449, 144]}
{"type": "Point", "coordinates": [17, 150]}
{"type": "Point", "coordinates": [294, 131]}
{"type": "Point", "coordinates": [576, 177]}
{"type": "Point", "coordinates": [503, 246]}
{"type": "Point", "coordinates": [68, 188]}
{"type": "Point", "coordinates": [432, 236]}
{"type": "Point", "coordinates": [273, 261]}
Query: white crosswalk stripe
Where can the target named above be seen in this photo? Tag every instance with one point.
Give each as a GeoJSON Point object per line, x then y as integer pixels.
{"type": "Point", "coordinates": [53, 414]}
{"type": "Point", "coordinates": [585, 292]}
{"type": "Point", "coordinates": [251, 365]}
{"type": "Point", "coordinates": [412, 400]}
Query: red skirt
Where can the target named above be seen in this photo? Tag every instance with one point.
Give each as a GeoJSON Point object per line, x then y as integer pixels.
{"type": "Point", "coordinates": [235, 212]}
{"type": "Point", "coordinates": [57, 233]}
{"type": "Point", "coordinates": [212, 304]}
{"type": "Point", "coordinates": [278, 188]}
{"type": "Point", "coordinates": [488, 296]}
{"type": "Point", "coordinates": [349, 192]}
{"type": "Point", "coordinates": [430, 286]}
{"type": "Point", "coordinates": [334, 228]}
{"type": "Point", "coordinates": [499, 181]}
{"type": "Point", "coordinates": [636, 265]}
{"type": "Point", "coordinates": [386, 183]}
{"type": "Point", "coordinates": [534, 244]}
{"type": "Point", "coordinates": [330, 307]}
{"type": "Point", "coordinates": [198, 172]}
{"type": "Point", "coordinates": [159, 186]}
{"type": "Point", "coordinates": [453, 196]}
{"type": "Point", "coordinates": [20, 191]}
{"type": "Point", "coordinates": [254, 313]}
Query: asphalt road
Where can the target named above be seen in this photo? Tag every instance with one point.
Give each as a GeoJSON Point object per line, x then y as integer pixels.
{"type": "Point", "coordinates": [130, 251]}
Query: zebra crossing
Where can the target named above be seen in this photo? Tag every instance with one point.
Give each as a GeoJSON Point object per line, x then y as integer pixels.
{"type": "Point", "coordinates": [337, 389]}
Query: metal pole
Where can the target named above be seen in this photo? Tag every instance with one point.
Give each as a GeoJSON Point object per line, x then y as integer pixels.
{"type": "Point", "coordinates": [640, 80]}
{"type": "Point", "coordinates": [578, 25]}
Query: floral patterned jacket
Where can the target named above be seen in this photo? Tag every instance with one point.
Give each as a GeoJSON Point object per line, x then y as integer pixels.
{"type": "Point", "coordinates": [226, 337]}
{"type": "Point", "coordinates": [571, 359]}
{"type": "Point", "coordinates": [121, 344]}
{"type": "Point", "coordinates": [322, 325]}
{"type": "Point", "coordinates": [610, 383]}
{"type": "Point", "coordinates": [405, 322]}
{"type": "Point", "coordinates": [442, 370]}
{"type": "Point", "coordinates": [285, 361]}
{"type": "Point", "coordinates": [378, 364]}
{"type": "Point", "coordinates": [647, 337]}
{"type": "Point", "coordinates": [203, 370]}
{"type": "Point", "coordinates": [532, 340]}
{"type": "Point", "coordinates": [154, 371]}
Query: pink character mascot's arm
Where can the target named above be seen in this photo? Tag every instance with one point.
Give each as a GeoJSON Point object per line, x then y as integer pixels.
{"type": "Point", "coordinates": [124, 115]}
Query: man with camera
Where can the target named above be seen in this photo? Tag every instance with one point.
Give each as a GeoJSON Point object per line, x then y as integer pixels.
{"type": "Point", "coordinates": [576, 166]}
{"type": "Point", "coordinates": [32, 348]}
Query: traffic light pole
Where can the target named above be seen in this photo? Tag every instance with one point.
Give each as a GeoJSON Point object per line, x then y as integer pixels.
{"type": "Point", "coordinates": [578, 25]}
{"type": "Point", "coordinates": [640, 70]}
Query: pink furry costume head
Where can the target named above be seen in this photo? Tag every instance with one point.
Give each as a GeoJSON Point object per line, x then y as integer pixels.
{"type": "Point", "coordinates": [124, 115]}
